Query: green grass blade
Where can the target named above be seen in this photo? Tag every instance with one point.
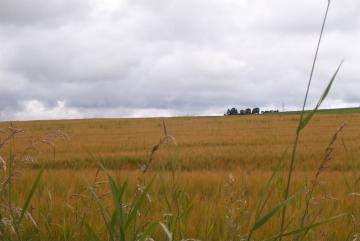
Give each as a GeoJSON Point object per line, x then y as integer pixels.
{"type": "Point", "coordinates": [121, 193]}
{"type": "Point", "coordinates": [114, 219]}
{"type": "Point", "coordinates": [104, 213]}
{"type": "Point", "coordinates": [307, 228]}
{"type": "Point", "coordinates": [167, 231]}
{"type": "Point", "coordinates": [103, 210]}
{"type": "Point", "coordinates": [309, 116]}
{"type": "Point", "coordinates": [100, 164]}
{"type": "Point", "coordinates": [347, 183]}
{"type": "Point", "coordinates": [30, 195]}
{"type": "Point", "coordinates": [148, 231]}
{"type": "Point", "coordinates": [165, 196]}
{"type": "Point", "coordinates": [137, 205]}
{"type": "Point", "coordinates": [267, 191]}
{"type": "Point", "coordinates": [185, 215]}
{"type": "Point", "coordinates": [118, 214]}
{"type": "Point", "coordinates": [271, 213]}
{"type": "Point", "coordinates": [91, 233]}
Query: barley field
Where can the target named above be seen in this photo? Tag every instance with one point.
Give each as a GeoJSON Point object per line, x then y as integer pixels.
{"type": "Point", "coordinates": [203, 143]}
{"type": "Point", "coordinates": [217, 178]}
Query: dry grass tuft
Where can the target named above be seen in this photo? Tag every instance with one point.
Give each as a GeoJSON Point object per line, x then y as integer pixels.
{"type": "Point", "coordinates": [326, 158]}
{"type": "Point", "coordinates": [163, 141]}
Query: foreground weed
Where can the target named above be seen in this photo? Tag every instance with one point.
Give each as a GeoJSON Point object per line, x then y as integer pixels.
{"type": "Point", "coordinates": [12, 216]}
{"type": "Point", "coordinates": [121, 221]}
{"type": "Point", "coordinates": [323, 163]}
{"type": "Point", "coordinates": [304, 120]}
{"type": "Point", "coordinates": [177, 205]}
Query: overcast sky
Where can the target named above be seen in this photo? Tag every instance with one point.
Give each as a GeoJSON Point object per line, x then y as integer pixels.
{"type": "Point", "coordinates": [134, 58]}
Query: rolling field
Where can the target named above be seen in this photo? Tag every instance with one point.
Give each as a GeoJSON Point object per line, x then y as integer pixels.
{"type": "Point", "coordinates": [203, 143]}
{"type": "Point", "coordinates": [207, 186]}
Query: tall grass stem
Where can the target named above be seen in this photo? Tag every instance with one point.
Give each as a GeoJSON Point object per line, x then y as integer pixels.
{"type": "Point", "coordinates": [293, 154]}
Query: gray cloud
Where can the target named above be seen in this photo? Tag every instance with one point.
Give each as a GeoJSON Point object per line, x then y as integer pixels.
{"type": "Point", "coordinates": [42, 13]}
{"type": "Point", "coordinates": [305, 17]}
{"type": "Point", "coordinates": [64, 59]}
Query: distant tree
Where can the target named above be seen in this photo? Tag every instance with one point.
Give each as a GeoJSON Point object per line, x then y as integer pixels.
{"type": "Point", "coordinates": [255, 111]}
{"type": "Point", "coordinates": [248, 111]}
{"type": "Point", "coordinates": [233, 111]}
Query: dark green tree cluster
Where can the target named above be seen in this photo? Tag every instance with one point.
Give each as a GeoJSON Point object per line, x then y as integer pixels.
{"type": "Point", "coordinates": [248, 111]}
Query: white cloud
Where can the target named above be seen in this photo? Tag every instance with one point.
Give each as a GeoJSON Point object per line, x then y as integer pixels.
{"type": "Point", "coordinates": [34, 109]}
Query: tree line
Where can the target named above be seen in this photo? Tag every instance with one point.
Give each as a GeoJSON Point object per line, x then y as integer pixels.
{"type": "Point", "coordinates": [247, 111]}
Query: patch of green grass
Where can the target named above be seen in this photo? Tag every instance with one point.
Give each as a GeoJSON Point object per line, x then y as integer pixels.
{"type": "Point", "coordinates": [325, 111]}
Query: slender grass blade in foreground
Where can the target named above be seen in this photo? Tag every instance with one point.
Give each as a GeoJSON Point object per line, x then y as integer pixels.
{"type": "Point", "coordinates": [303, 122]}
{"type": "Point", "coordinates": [307, 119]}
{"type": "Point", "coordinates": [263, 220]}
{"type": "Point", "coordinates": [91, 234]}
{"type": "Point", "coordinates": [30, 195]}
{"type": "Point", "coordinates": [307, 228]}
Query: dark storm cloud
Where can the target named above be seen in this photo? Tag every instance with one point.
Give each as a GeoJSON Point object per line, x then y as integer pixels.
{"type": "Point", "coordinates": [148, 58]}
